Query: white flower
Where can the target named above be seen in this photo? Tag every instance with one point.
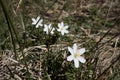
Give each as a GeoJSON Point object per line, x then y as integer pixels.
{"type": "Point", "coordinates": [62, 28]}
{"type": "Point", "coordinates": [37, 22]}
{"type": "Point", "coordinates": [76, 55]}
{"type": "Point", "coordinates": [48, 29]}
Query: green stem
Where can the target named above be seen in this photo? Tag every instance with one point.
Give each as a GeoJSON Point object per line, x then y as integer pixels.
{"type": "Point", "coordinates": [11, 28]}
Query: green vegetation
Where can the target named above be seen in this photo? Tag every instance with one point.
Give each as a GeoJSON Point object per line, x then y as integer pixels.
{"type": "Point", "coordinates": [28, 52]}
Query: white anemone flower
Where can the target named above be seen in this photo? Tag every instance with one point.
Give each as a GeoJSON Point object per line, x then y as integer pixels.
{"type": "Point", "coordinates": [76, 55]}
{"type": "Point", "coordinates": [48, 29]}
{"type": "Point", "coordinates": [37, 22]}
{"type": "Point", "coordinates": [62, 28]}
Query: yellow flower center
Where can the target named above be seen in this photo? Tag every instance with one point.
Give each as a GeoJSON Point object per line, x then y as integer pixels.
{"type": "Point", "coordinates": [62, 28]}
{"type": "Point", "coordinates": [49, 29]}
{"type": "Point", "coordinates": [76, 55]}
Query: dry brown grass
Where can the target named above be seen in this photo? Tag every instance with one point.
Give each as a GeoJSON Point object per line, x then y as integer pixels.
{"type": "Point", "coordinates": [103, 13]}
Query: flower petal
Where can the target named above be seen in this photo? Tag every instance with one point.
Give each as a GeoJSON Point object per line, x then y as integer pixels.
{"type": "Point", "coordinates": [37, 26]}
{"type": "Point", "coordinates": [45, 29]}
{"type": "Point", "coordinates": [81, 51]}
{"type": "Point", "coordinates": [40, 22]}
{"type": "Point", "coordinates": [66, 31]}
{"type": "Point", "coordinates": [59, 25]}
{"type": "Point", "coordinates": [52, 31]}
{"type": "Point", "coordinates": [75, 48]}
{"type": "Point", "coordinates": [82, 59]}
{"type": "Point", "coordinates": [70, 58]}
{"type": "Point", "coordinates": [38, 18]}
{"type": "Point", "coordinates": [66, 27]}
{"type": "Point", "coordinates": [49, 26]}
{"type": "Point", "coordinates": [62, 24]}
{"type": "Point", "coordinates": [33, 21]}
{"type": "Point", "coordinates": [76, 63]}
{"type": "Point", "coordinates": [70, 50]}
{"type": "Point", "coordinates": [62, 32]}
